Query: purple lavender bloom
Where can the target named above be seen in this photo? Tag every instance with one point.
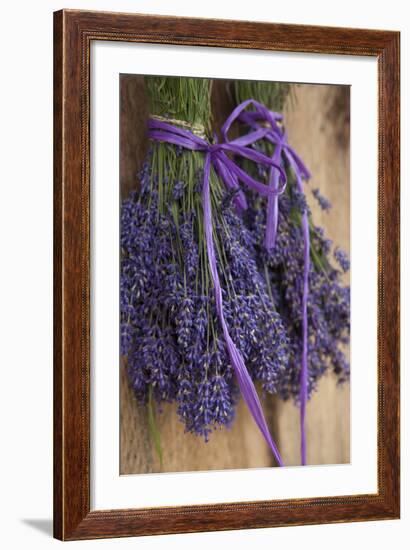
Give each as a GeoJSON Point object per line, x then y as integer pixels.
{"type": "Point", "coordinates": [184, 321]}
{"type": "Point", "coordinates": [299, 199]}
{"type": "Point", "coordinates": [324, 203]}
{"type": "Point", "coordinates": [329, 301]}
{"type": "Point", "coordinates": [185, 398]}
{"type": "Point", "coordinates": [127, 334]}
{"type": "Point", "coordinates": [342, 259]}
{"type": "Point", "coordinates": [320, 241]}
{"type": "Point", "coordinates": [189, 246]}
{"type": "Point", "coordinates": [178, 190]}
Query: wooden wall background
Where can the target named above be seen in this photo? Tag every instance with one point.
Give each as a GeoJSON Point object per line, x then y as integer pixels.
{"type": "Point", "coordinates": [317, 119]}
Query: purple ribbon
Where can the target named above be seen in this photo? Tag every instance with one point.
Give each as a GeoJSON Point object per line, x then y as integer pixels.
{"type": "Point", "coordinates": [278, 137]}
{"type": "Point", "coordinates": [231, 174]}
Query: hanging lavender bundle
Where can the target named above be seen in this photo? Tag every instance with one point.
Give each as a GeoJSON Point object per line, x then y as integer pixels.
{"type": "Point", "coordinates": [194, 305]}
{"type": "Point", "coordinates": [329, 300]}
{"type": "Point", "coordinates": [281, 256]}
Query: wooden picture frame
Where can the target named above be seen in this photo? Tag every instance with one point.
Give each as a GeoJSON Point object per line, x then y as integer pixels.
{"type": "Point", "coordinates": [73, 33]}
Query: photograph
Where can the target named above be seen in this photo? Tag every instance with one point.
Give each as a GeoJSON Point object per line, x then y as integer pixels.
{"type": "Point", "coordinates": [234, 274]}
{"type": "Point", "coordinates": [226, 274]}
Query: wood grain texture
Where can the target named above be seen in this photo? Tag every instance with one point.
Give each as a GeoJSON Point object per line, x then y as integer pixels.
{"type": "Point", "coordinates": [317, 118]}
{"type": "Point", "coordinates": [240, 447]}
{"type": "Point", "coordinates": [74, 31]}
{"type": "Point", "coordinates": [58, 441]}
{"type": "Point", "coordinates": [133, 142]}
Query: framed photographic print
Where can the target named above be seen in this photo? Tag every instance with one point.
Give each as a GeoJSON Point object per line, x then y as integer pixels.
{"type": "Point", "coordinates": [226, 275]}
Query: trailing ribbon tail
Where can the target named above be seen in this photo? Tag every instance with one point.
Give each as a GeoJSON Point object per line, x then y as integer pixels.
{"type": "Point", "coordinates": [303, 392]}
{"type": "Point", "coordinates": [277, 136]}
{"type": "Point", "coordinates": [245, 383]}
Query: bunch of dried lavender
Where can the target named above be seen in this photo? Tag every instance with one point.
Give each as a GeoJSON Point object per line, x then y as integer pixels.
{"type": "Point", "coordinates": [170, 331]}
{"type": "Point", "coordinates": [329, 299]}
{"type": "Point", "coordinates": [328, 305]}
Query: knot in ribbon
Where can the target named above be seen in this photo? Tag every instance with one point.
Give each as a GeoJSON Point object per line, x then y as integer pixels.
{"type": "Point", "coordinates": [230, 173]}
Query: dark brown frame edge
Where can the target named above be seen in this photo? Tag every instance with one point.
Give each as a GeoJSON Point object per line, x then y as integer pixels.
{"type": "Point", "coordinates": [73, 32]}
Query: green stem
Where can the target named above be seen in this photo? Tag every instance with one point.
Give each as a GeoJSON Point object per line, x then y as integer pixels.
{"type": "Point", "coordinates": [154, 431]}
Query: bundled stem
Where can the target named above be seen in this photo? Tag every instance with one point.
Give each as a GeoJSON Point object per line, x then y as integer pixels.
{"type": "Point", "coordinates": [271, 94]}
{"type": "Point", "coordinates": [186, 99]}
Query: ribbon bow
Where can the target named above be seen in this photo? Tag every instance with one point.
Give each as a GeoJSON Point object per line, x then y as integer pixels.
{"type": "Point", "coordinates": [231, 174]}
{"type": "Point", "coordinates": [284, 152]}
